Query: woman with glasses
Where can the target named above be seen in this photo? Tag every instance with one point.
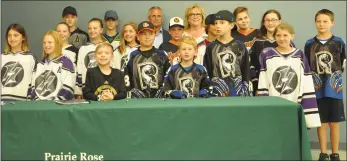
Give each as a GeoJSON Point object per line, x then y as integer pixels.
{"type": "Point", "coordinates": [271, 19]}
{"type": "Point", "coordinates": [194, 22]}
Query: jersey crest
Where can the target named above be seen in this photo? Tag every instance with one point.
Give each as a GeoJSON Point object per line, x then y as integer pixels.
{"type": "Point", "coordinates": [227, 63]}
{"type": "Point", "coordinates": [187, 85]}
{"type": "Point", "coordinates": [285, 80]}
{"type": "Point", "coordinates": [12, 73]}
{"type": "Point", "coordinates": [324, 60]}
{"type": "Point", "coordinates": [89, 60]}
{"type": "Point", "coordinates": [148, 73]}
{"type": "Point", "coordinates": [46, 83]}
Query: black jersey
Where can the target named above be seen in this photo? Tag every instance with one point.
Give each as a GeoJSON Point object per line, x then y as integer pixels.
{"type": "Point", "coordinates": [229, 62]}
{"type": "Point", "coordinates": [145, 71]}
{"type": "Point", "coordinates": [247, 38]}
{"type": "Point", "coordinates": [171, 49]}
{"type": "Point", "coordinates": [190, 81]}
{"type": "Point", "coordinates": [78, 38]}
{"type": "Point", "coordinates": [97, 82]}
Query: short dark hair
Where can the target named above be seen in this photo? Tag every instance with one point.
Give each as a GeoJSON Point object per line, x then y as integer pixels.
{"type": "Point", "coordinates": [325, 12]}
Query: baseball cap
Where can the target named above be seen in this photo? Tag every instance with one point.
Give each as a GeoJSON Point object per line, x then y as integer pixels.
{"type": "Point", "coordinates": [111, 14]}
{"type": "Point", "coordinates": [176, 21]}
{"type": "Point", "coordinates": [210, 19]}
{"type": "Point", "coordinates": [69, 10]}
{"type": "Point", "coordinates": [145, 25]}
{"type": "Point", "coordinates": [224, 15]}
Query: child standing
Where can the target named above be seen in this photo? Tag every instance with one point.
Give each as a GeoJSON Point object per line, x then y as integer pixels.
{"type": "Point", "coordinates": [111, 22]}
{"type": "Point", "coordinates": [187, 79]}
{"type": "Point", "coordinates": [226, 58]}
{"type": "Point", "coordinates": [68, 50]}
{"type": "Point", "coordinates": [326, 55]}
{"type": "Point", "coordinates": [147, 66]}
{"type": "Point", "coordinates": [284, 72]}
{"type": "Point", "coordinates": [104, 83]}
{"type": "Point", "coordinates": [55, 76]}
{"type": "Point", "coordinates": [17, 65]}
{"type": "Point", "coordinates": [128, 44]}
{"type": "Point", "coordinates": [176, 29]}
{"type": "Point", "coordinates": [86, 53]}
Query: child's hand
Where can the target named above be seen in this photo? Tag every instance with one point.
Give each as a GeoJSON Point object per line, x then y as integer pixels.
{"type": "Point", "coordinates": [107, 95]}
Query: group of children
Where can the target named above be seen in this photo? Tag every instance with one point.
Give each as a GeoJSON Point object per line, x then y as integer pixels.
{"type": "Point", "coordinates": [237, 61]}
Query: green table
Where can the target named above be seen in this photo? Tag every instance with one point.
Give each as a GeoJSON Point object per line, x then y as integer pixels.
{"type": "Point", "coordinates": [209, 129]}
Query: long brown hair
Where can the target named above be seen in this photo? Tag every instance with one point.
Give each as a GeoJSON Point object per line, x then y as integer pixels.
{"type": "Point", "coordinates": [263, 30]}
{"type": "Point", "coordinates": [123, 43]}
{"type": "Point", "coordinates": [20, 29]}
{"type": "Point", "coordinates": [57, 44]}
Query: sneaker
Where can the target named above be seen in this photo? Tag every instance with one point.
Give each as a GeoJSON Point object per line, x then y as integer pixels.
{"type": "Point", "coordinates": [335, 157]}
{"type": "Point", "coordinates": [323, 157]}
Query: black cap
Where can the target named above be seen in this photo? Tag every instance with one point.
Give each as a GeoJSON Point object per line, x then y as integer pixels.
{"type": "Point", "coordinates": [145, 25]}
{"type": "Point", "coordinates": [224, 15]}
{"type": "Point", "coordinates": [210, 19]}
{"type": "Point", "coordinates": [69, 10]}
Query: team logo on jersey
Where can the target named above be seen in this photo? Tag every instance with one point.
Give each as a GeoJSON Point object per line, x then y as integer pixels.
{"type": "Point", "coordinates": [46, 83]}
{"type": "Point", "coordinates": [123, 62]}
{"type": "Point", "coordinates": [285, 80]}
{"type": "Point", "coordinates": [187, 85]}
{"type": "Point", "coordinates": [324, 60]}
{"type": "Point", "coordinates": [105, 87]}
{"type": "Point", "coordinates": [89, 60]}
{"type": "Point", "coordinates": [12, 73]}
{"type": "Point", "coordinates": [148, 73]}
{"type": "Point", "coordinates": [227, 63]}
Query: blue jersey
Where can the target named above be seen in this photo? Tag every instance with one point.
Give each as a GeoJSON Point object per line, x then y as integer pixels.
{"type": "Point", "coordinates": [327, 59]}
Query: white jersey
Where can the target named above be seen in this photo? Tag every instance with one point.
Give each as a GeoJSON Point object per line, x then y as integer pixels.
{"type": "Point", "coordinates": [70, 51]}
{"type": "Point", "coordinates": [289, 76]}
{"type": "Point", "coordinates": [16, 75]}
{"type": "Point", "coordinates": [54, 80]}
{"type": "Point", "coordinates": [120, 61]}
{"type": "Point", "coordinates": [85, 60]}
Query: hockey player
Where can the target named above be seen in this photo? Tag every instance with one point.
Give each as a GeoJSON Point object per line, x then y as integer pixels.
{"type": "Point", "coordinates": [147, 66]}
{"type": "Point", "coordinates": [187, 79]}
{"type": "Point", "coordinates": [77, 37]}
{"type": "Point", "coordinates": [128, 44]}
{"type": "Point", "coordinates": [17, 65]}
{"type": "Point", "coordinates": [270, 20]}
{"type": "Point", "coordinates": [104, 83]}
{"type": "Point", "coordinates": [176, 28]}
{"type": "Point", "coordinates": [327, 58]}
{"type": "Point", "coordinates": [55, 76]}
{"type": "Point", "coordinates": [227, 58]}
{"type": "Point", "coordinates": [244, 33]}
{"type": "Point", "coordinates": [86, 53]}
{"type": "Point", "coordinates": [111, 22]}
{"type": "Point", "coordinates": [284, 72]}
{"type": "Point", "coordinates": [68, 50]}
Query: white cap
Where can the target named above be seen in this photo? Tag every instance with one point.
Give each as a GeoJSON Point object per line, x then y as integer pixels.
{"type": "Point", "coordinates": [176, 21]}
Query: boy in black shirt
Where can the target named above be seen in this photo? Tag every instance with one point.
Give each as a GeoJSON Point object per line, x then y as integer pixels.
{"type": "Point", "coordinates": [104, 83]}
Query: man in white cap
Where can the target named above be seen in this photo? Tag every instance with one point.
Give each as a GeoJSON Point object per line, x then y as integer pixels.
{"type": "Point", "coordinates": [176, 29]}
{"type": "Point", "coordinates": [111, 22]}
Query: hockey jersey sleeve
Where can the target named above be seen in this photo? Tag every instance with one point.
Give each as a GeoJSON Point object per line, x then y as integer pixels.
{"type": "Point", "coordinates": [31, 85]}
{"type": "Point", "coordinates": [169, 80]}
{"type": "Point", "coordinates": [68, 76]}
{"type": "Point", "coordinates": [208, 61]}
{"type": "Point", "coordinates": [245, 71]}
{"type": "Point", "coordinates": [254, 65]}
{"type": "Point", "coordinates": [78, 86]}
{"type": "Point", "coordinates": [88, 91]}
{"type": "Point", "coordinates": [307, 99]}
{"type": "Point", "coordinates": [205, 81]}
{"type": "Point", "coordinates": [343, 56]}
{"type": "Point", "coordinates": [263, 84]}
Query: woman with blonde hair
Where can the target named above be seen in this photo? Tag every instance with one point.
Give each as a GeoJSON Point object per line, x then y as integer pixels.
{"type": "Point", "coordinates": [194, 22]}
{"type": "Point", "coordinates": [55, 76]}
{"type": "Point", "coordinates": [128, 44]}
{"type": "Point", "coordinates": [17, 65]}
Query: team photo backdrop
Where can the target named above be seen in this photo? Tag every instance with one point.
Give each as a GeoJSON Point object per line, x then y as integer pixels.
{"type": "Point", "coordinates": [38, 17]}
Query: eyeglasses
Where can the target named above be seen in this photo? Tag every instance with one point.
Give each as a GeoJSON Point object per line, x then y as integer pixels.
{"type": "Point", "coordinates": [195, 14]}
{"type": "Point", "coordinates": [272, 20]}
